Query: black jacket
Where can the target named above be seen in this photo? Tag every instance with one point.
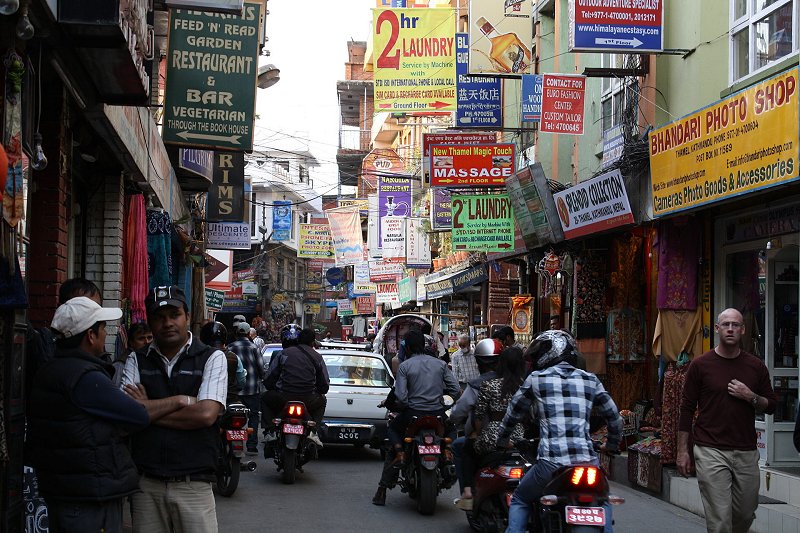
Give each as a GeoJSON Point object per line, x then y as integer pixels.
{"type": "Point", "coordinates": [78, 457]}
{"type": "Point", "coordinates": [298, 370]}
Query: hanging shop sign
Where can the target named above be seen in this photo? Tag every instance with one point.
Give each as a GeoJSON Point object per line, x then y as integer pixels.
{"type": "Point", "coordinates": [483, 222]}
{"type": "Point", "coordinates": [613, 144]}
{"type": "Point", "coordinates": [228, 235]}
{"type": "Point", "coordinates": [315, 242]}
{"type": "Point", "coordinates": [344, 307]}
{"type": "Point", "coordinates": [212, 66]}
{"type": "Point", "coordinates": [281, 220]}
{"type": "Point", "coordinates": [741, 144]}
{"type": "Point", "coordinates": [563, 99]}
{"type": "Point", "coordinates": [387, 293]}
{"type": "Point", "coordinates": [415, 59]}
{"type": "Point", "coordinates": [532, 97]}
{"type": "Point", "coordinates": [226, 195]}
{"type": "Point", "coordinates": [361, 203]}
{"type": "Point", "coordinates": [452, 137]}
{"type": "Point", "coordinates": [311, 307]}
{"type": "Point", "coordinates": [441, 213]}
{"type": "Point", "coordinates": [480, 98]}
{"type": "Point", "coordinates": [474, 165]}
{"type": "Point", "coordinates": [218, 271]}
{"type": "Point", "coordinates": [223, 6]}
{"type": "Point", "coordinates": [214, 299]}
{"type": "Point", "coordinates": [393, 239]}
{"type": "Point", "coordinates": [418, 244]}
{"type": "Point", "coordinates": [348, 241]}
{"type": "Point", "coordinates": [468, 278]}
{"type": "Point", "coordinates": [500, 36]}
{"type": "Point", "coordinates": [521, 314]}
{"type": "Point", "coordinates": [361, 282]}
{"type": "Point", "coordinates": [200, 162]}
{"type": "Point", "coordinates": [529, 194]}
{"type": "Point", "coordinates": [407, 289]}
{"type": "Point", "coordinates": [244, 294]}
{"type": "Point", "coordinates": [384, 271]}
{"type": "Point", "coordinates": [394, 199]}
{"type": "Point", "coordinates": [594, 205]}
{"type": "Point", "coordinates": [422, 294]}
{"type": "Point", "coordinates": [438, 288]}
{"type": "Point", "coordinates": [379, 162]}
{"type": "Point", "coordinates": [365, 305]}
{"type": "Point", "coordinates": [313, 275]}
{"type": "Point", "coordinates": [622, 26]}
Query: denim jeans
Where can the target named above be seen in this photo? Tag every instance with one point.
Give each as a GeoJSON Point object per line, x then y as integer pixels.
{"type": "Point", "coordinates": [458, 451]}
{"type": "Point", "coordinates": [530, 490]}
{"type": "Point", "coordinates": [252, 402]}
{"type": "Point", "coordinates": [69, 517]}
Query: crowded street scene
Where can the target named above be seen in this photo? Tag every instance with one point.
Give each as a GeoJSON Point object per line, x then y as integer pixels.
{"type": "Point", "coordinates": [399, 266]}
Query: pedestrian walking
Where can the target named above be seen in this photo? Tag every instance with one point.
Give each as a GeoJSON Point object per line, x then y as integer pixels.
{"type": "Point", "coordinates": [729, 386]}
{"type": "Point", "coordinates": [250, 395]}
{"type": "Point", "coordinates": [465, 368]}
{"type": "Point", "coordinates": [177, 454]}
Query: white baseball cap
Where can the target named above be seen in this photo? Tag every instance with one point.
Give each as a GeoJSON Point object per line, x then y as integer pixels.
{"type": "Point", "coordinates": [78, 314]}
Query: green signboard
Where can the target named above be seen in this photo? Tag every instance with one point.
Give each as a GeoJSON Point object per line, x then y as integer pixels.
{"type": "Point", "coordinates": [483, 222]}
{"type": "Point", "coordinates": [214, 299]}
{"type": "Point", "coordinates": [211, 78]}
{"type": "Point", "coordinates": [407, 289]}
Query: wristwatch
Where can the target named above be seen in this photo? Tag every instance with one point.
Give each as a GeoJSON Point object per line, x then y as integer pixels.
{"type": "Point", "coordinates": [754, 401]}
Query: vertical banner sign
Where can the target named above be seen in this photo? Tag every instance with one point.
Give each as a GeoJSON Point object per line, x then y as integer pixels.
{"type": "Point", "coordinates": [500, 36]}
{"type": "Point", "coordinates": [313, 275]}
{"type": "Point", "coordinates": [745, 143]}
{"type": "Point", "coordinates": [613, 143]}
{"type": "Point", "coordinates": [441, 215]}
{"type": "Point", "coordinates": [394, 198]}
{"type": "Point", "coordinates": [594, 205]}
{"type": "Point", "coordinates": [393, 239]}
{"type": "Point", "coordinates": [483, 222]}
{"type": "Point", "coordinates": [415, 65]}
{"type": "Point", "coordinates": [373, 233]}
{"type": "Point", "coordinates": [623, 26]}
{"type": "Point", "coordinates": [479, 98]}
{"type": "Point", "coordinates": [418, 244]}
{"type": "Point", "coordinates": [315, 242]}
{"type": "Point", "coordinates": [212, 66]}
{"type": "Point", "coordinates": [474, 165]}
{"type": "Point", "coordinates": [226, 195]}
{"type": "Point", "coordinates": [348, 242]}
{"type": "Point", "coordinates": [531, 97]}
{"type": "Point", "coordinates": [562, 104]}
{"type": "Point", "coordinates": [281, 220]}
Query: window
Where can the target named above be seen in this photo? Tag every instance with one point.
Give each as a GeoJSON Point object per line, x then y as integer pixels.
{"type": "Point", "coordinates": [303, 174]}
{"type": "Point", "coordinates": [283, 164]}
{"type": "Point", "coordinates": [762, 32]}
{"type": "Point", "coordinates": [617, 92]}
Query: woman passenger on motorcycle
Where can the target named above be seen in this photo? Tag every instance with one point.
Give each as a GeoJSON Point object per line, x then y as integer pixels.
{"type": "Point", "coordinates": [493, 399]}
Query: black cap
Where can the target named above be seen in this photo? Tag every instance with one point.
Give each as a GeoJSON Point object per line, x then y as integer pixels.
{"type": "Point", "coordinates": [159, 297]}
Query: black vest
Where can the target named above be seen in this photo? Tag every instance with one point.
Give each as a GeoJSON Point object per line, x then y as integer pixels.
{"type": "Point", "coordinates": [170, 452]}
{"type": "Point", "coordinates": [78, 457]}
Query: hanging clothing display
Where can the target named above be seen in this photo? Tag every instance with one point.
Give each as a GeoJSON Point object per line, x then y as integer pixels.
{"type": "Point", "coordinates": [625, 383]}
{"type": "Point", "coordinates": [135, 257]}
{"type": "Point", "coordinates": [674, 379]}
{"type": "Point", "coordinates": [625, 335]}
{"type": "Point", "coordinates": [678, 332]}
{"type": "Point", "coordinates": [678, 264]}
{"type": "Point", "coordinates": [359, 326]}
{"type": "Point", "coordinates": [590, 295]}
{"type": "Point", "coordinates": [159, 248]}
{"type": "Point", "coordinates": [626, 280]}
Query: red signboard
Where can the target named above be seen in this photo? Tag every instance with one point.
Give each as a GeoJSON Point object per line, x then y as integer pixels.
{"type": "Point", "coordinates": [563, 97]}
{"type": "Point", "coordinates": [456, 137]}
{"type": "Point", "coordinates": [477, 164]}
{"type": "Point", "coordinates": [365, 305]}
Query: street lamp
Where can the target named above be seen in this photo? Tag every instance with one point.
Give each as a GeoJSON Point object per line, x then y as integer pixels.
{"type": "Point", "coordinates": [268, 75]}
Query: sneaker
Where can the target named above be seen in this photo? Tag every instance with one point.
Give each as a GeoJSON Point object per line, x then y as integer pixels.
{"type": "Point", "coordinates": [315, 439]}
{"type": "Point", "coordinates": [270, 436]}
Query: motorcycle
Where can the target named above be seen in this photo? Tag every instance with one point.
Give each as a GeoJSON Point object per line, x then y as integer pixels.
{"type": "Point", "coordinates": [428, 468]}
{"type": "Point", "coordinates": [292, 449]}
{"type": "Point", "coordinates": [233, 435]}
{"type": "Point", "coordinates": [492, 489]}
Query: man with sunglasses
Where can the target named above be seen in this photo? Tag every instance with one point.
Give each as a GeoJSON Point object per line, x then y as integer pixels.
{"type": "Point", "coordinates": [728, 386]}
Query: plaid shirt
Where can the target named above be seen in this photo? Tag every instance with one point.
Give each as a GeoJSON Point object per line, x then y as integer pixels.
{"type": "Point", "coordinates": [562, 398]}
{"type": "Point", "coordinates": [464, 365]}
{"type": "Point", "coordinates": [251, 359]}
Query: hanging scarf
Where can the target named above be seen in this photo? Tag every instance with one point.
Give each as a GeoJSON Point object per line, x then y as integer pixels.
{"type": "Point", "coordinates": [136, 276]}
{"type": "Point", "coordinates": [12, 125]}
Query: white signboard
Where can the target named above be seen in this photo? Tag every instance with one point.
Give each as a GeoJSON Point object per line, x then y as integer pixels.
{"type": "Point", "coordinates": [393, 239]}
{"type": "Point", "coordinates": [418, 244]}
{"type": "Point", "coordinates": [387, 293]}
{"type": "Point", "coordinates": [228, 235]}
{"type": "Point", "coordinates": [594, 205]}
{"type": "Point", "coordinates": [362, 286]}
{"type": "Point", "coordinates": [384, 271]}
{"type": "Point", "coordinates": [373, 238]}
{"type": "Point", "coordinates": [422, 294]}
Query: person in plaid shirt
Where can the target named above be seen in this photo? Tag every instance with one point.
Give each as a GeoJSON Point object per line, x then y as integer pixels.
{"type": "Point", "coordinates": [250, 395]}
{"type": "Point", "coordinates": [562, 398]}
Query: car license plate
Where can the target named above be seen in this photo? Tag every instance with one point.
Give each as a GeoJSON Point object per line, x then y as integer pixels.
{"type": "Point", "coordinates": [349, 433]}
{"type": "Point", "coordinates": [423, 450]}
{"type": "Point", "coordinates": [294, 429]}
{"type": "Point", "coordinates": [594, 516]}
{"type": "Point", "coordinates": [236, 434]}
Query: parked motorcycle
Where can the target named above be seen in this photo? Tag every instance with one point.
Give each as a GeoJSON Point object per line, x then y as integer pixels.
{"type": "Point", "coordinates": [428, 468]}
{"type": "Point", "coordinates": [492, 489]}
{"type": "Point", "coordinates": [233, 435]}
{"type": "Point", "coordinates": [292, 449]}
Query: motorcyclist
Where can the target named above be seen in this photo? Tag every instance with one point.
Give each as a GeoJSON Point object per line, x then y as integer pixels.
{"type": "Point", "coordinates": [215, 334]}
{"type": "Point", "coordinates": [422, 380]}
{"type": "Point", "coordinates": [564, 433]}
{"type": "Point", "coordinates": [296, 373]}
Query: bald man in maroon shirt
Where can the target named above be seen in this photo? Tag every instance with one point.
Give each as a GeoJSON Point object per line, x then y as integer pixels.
{"type": "Point", "coordinates": [728, 386]}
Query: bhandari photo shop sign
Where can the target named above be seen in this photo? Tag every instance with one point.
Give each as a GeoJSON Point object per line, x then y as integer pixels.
{"type": "Point", "coordinates": [483, 222]}
{"type": "Point", "coordinates": [212, 66]}
{"type": "Point", "coordinates": [744, 143]}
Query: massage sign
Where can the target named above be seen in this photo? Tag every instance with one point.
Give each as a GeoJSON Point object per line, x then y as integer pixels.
{"type": "Point", "coordinates": [483, 222]}
{"type": "Point", "coordinates": [744, 143]}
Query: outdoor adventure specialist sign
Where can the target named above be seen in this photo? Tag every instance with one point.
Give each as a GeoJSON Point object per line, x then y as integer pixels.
{"type": "Point", "coordinates": [483, 222]}
{"type": "Point", "coordinates": [616, 25]}
{"type": "Point", "coordinates": [211, 78]}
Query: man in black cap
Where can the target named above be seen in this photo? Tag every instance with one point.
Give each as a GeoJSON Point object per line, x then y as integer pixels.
{"type": "Point", "coordinates": [176, 456]}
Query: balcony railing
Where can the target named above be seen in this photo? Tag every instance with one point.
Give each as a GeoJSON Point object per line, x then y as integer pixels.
{"type": "Point", "coordinates": [353, 139]}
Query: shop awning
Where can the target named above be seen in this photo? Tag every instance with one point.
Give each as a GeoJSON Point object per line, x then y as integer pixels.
{"type": "Point", "coordinates": [453, 282]}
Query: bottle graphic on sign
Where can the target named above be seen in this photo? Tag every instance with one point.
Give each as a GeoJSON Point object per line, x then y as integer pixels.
{"type": "Point", "coordinates": [507, 53]}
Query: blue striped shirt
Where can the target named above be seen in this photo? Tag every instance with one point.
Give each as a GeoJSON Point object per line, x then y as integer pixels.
{"type": "Point", "coordinates": [251, 359]}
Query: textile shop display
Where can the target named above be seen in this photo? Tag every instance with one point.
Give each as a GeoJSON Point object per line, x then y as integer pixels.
{"type": "Point", "coordinates": [136, 257]}
{"type": "Point", "coordinates": [626, 280]}
{"type": "Point", "coordinates": [674, 379]}
{"type": "Point", "coordinates": [590, 296]}
{"type": "Point", "coordinates": [678, 332]}
{"type": "Point", "coordinates": [159, 248]}
{"type": "Point", "coordinates": [625, 335]}
{"type": "Point", "coordinates": [678, 264]}
{"type": "Point", "coordinates": [625, 383]}
{"type": "Point", "coordinates": [12, 193]}
{"type": "Point", "coordinates": [644, 467]}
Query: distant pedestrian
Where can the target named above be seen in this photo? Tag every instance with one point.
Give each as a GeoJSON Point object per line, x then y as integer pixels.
{"type": "Point", "coordinates": [258, 341]}
{"type": "Point", "coordinates": [139, 336]}
{"type": "Point", "coordinates": [465, 368]}
{"type": "Point", "coordinates": [250, 395]}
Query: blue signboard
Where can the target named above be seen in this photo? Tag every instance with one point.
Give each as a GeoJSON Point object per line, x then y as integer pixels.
{"type": "Point", "coordinates": [637, 28]}
{"type": "Point", "coordinates": [201, 162]}
{"type": "Point", "coordinates": [531, 97]}
{"type": "Point", "coordinates": [480, 98]}
{"type": "Point", "coordinates": [281, 220]}
{"type": "Point", "coordinates": [613, 144]}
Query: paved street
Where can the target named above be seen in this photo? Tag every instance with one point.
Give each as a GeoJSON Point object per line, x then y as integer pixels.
{"type": "Point", "coordinates": [333, 495]}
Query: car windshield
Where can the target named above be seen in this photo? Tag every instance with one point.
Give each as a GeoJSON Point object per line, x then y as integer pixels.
{"type": "Point", "coordinates": [357, 370]}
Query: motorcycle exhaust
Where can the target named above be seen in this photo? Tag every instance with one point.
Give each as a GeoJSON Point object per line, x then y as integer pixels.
{"type": "Point", "coordinates": [249, 466]}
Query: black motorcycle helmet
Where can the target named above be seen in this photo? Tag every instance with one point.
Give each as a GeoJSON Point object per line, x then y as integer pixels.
{"type": "Point", "coordinates": [290, 335]}
{"type": "Point", "coordinates": [551, 347]}
{"type": "Point", "coordinates": [213, 334]}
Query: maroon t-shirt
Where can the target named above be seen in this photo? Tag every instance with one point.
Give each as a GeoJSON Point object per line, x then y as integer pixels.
{"type": "Point", "coordinates": [724, 422]}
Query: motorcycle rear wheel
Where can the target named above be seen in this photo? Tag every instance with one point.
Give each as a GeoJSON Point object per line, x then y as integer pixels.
{"type": "Point", "coordinates": [426, 498]}
{"type": "Point", "coordinates": [289, 466]}
{"type": "Point", "coordinates": [228, 475]}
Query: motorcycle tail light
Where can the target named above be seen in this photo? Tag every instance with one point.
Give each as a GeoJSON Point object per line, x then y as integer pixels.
{"type": "Point", "coordinates": [591, 476]}
{"type": "Point", "coordinates": [276, 421]}
{"type": "Point", "coordinates": [515, 473]}
{"type": "Point", "coordinates": [548, 500]}
{"type": "Point", "coordinates": [408, 439]}
{"type": "Point", "coordinates": [238, 422]}
{"type": "Point", "coordinates": [585, 498]}
{"type": "Point", "coordinates": [512, 472]}
{"type": "Point", "coordinates": [447, 440]}
{"type": "Point", "coordinates": [615, 500]}
{"type": "Point", "coordinates": [428, 439]}
{"type": "Point", "coordinates": [577, 474]}
{"type": "Point", "coordinates": [295, 410]}
{"type": "Point", "coordinates": [249, 431]}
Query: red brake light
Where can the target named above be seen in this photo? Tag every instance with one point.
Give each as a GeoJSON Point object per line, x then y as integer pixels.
{"type": "Point", "coordinates": [238, 422]}
{"type": "Point", "coordinates": [591, 476]}
{"type": "Point", "coordinates": [515, 473]}
{"type": "Point", "coordinates": [577, 474]}
{"type": "Point", "coordinates": [585, 498]}
{"type": "Point", "coordinates": [296, 410]}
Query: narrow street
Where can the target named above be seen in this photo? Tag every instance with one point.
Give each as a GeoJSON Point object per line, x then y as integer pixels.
{"type": "Point", "coordinates": [334, 493]}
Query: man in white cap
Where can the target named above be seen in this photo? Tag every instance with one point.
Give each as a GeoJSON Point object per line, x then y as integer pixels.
{"type": "Point", "coordinates": [76, 422]}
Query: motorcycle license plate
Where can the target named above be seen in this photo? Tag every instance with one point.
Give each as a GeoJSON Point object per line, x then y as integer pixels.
{"type": "Point", "coordinates": [433, 448]}
{"type": "Point", "coordinates": [294, 429]}
{"type": "Point", "coordinates": [589, 516]}
{"type": "Point", "coordinates": [236, 434]}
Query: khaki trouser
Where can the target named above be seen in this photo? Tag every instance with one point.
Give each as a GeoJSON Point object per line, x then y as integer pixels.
{"type": "Point", "coordinates": [729, 482]}
{"type": "Point", "coordinates": [174, 506]}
